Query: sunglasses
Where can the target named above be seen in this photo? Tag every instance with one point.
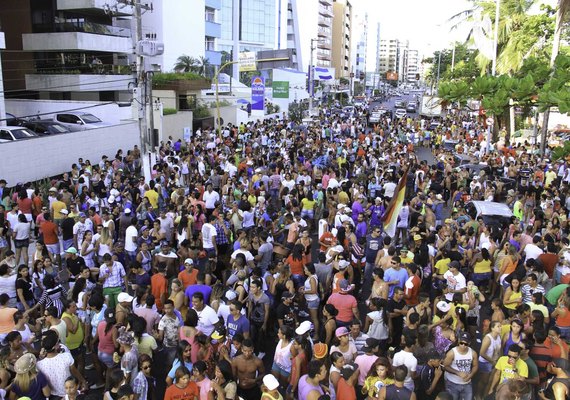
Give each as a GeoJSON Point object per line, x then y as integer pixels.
{"type": "Point", "coordinates": [464, 343]}
{"type": "Point", "coordinates": [146, 367]}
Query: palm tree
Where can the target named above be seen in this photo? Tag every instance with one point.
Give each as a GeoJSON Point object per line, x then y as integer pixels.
{"type": "Point", "coordinates": [202, 65]}
{"type": "Point", "coordinates": [185, 63]}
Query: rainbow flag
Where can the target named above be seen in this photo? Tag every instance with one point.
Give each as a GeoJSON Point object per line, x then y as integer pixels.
{"type": "Point", "coordinates": [390, 218]}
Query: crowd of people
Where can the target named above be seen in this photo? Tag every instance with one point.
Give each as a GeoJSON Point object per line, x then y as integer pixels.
{"type": "Point", "coordinates": [254, 263]}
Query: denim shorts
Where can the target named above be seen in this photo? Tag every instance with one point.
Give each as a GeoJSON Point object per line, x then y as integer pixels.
{"type": "Point", "coordinates": [314, 304]}
{"type": "Point", "coordinates": [280, 370]}
{"type": "Point", "coordinates": [485, 367]}
{"type": "Point", "coordinates": [106, 359]}
{"type": "Point", "coordinates": [564, 332]}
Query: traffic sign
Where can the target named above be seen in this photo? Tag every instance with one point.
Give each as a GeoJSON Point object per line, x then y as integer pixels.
{"type": "Point", "coordinates": [490, 121]}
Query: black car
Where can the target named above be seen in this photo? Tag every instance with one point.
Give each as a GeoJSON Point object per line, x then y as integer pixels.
{"type": "Point", "coordinates": [12, 120]}
{"type": "Point", "coordinates": [46, 128]}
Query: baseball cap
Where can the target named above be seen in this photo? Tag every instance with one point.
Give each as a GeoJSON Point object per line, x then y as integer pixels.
{"type": "Point", "coordinates": [219, 334]}
{"type": "Point", "coordinates": [127, 210]}
{"type": "Point", "coordinates": [270, 382]}
{"type": "Point", "coordinates": [71, 250]}
{"type": "Point", "coordinates": [230, 295]}
{"type": "Point", "coordinates": [287, 295]}
{"type": "Point", "coordinates": [345, 285]}
{"type": "Point", "coordinates": [417, 237]}
{"type": "Point", "coordinates": [64, 212]}
{"type": "Point", "coordinates": [443, 306]}
{"type": "Point", "coordinates": [82, 215]}
{"type": "Point", "coordinates": [304, 327]}
{"type": "Point", "coordinates": [124, 297]}
{"type": "Point", "coordinates": [465, 337]}
{"type": "Point", "coordinates": [343, 264]}
{"type": "Point", "coordinates": [341, 331]}
{"type": "Point", "coordinates": [189, 261]}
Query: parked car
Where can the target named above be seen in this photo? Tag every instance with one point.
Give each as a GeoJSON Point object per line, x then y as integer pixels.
{"type": "Point", "coordinates": [46, 128]}
{"type": "Point", "coordinates": [411, 108]}
{"type": "Point", "coordinates": [375, 117]}
{"type": "Point", "coordinates": [12, 120]}
{"type": "Point", "coordinates": [493, 213]}
{"type": "Point", "coordinates": [79, 121]}
{"type": "Point", "coordinates": [13, 133]}
{"type": "Point", "coordinates": [400, 113]}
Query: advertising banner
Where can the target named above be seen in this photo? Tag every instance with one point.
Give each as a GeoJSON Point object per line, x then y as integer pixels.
{"type": "Point", "coordinates": [247, 61]}
{"type": "Point", "coordinates": [257, 93]}
{"type": "Point", "coordinates": [281, 89]}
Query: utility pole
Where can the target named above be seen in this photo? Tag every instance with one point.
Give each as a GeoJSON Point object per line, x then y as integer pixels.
{"type": "Point", "coordinates": [311, 78]}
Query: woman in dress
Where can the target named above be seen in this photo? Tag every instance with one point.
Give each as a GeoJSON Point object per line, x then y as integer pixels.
{"type": "Point", "coordinates": [88, 249]}
{"type": "Point", "coordinates": [380, 289]}
{"type": "Point", "coordinates": [144, 257]}
{"type": "Point", "coordinates": [178, 297]}
{"type": "Point", "coordinates": [21, 236]}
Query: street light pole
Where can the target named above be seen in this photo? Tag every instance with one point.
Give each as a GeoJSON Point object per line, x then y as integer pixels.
{"type": "Point", "coordinates": [311, 78]}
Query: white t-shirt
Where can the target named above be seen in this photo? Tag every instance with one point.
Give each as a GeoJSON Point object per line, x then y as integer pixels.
{"type": "Point", "coordinates": [130, 244]}
{"type": "Point", "coordinates": [208, 235]}
{"type": "Point", "coordinates": [206, 320]}
{"type": "Point", "coordinates": [8, 285]}
{"type": "Point", "coordinates": [56, 369]}
{"type": "Point", "coordinates": [406, 358]}
{"type": "Point", "coordinates": [532, 251]}
{"type": "Point", "coordinates": [210, 199]}
{"type": "Point", "coordinates": [454, 282]}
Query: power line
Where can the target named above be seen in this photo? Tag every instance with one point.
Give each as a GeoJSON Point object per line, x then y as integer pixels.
{"type": "Point", "coordinates": [64, 86]}
{"type": "Point", "coordinates": [63, 111]}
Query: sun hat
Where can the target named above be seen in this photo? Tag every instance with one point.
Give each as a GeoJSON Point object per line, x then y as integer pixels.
{"type": "Point", "coordinates": [320, 350]}
{"type": "Point", "coordinates": [25, 363]}
{"type": "Point", "coordinates": [304, 327]}
{"type": "Point", "coordinates": [126, 338]}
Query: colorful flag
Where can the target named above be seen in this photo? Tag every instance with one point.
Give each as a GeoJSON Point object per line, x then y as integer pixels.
{"type": "Point", "coordinates": [390, 218]}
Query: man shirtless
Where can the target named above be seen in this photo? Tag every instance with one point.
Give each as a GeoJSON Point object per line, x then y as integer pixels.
{"type": "Point", "coordinates": [249, 371]}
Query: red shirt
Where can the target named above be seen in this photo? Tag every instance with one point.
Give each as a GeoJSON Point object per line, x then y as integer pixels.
{"type": "Point", "coordinates": [190, 392]}
{"type": "Point", "coordinates": [344, 303]}
{"type": "Point", "coordinates": [188, 279]}
{"type": "Point", "coordinates": [158, 286]}
{"type": "Point", "coordinates": [49, 230]}
{"type": "Point", "coordinates": [412, 290]}
{"type": "Point", "coordinates": [345, 391]}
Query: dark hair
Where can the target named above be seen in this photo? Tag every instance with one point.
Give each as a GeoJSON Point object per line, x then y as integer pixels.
{"type": "Point", "coordinates": [191, 318]}
{"type": "Point", "coordinates": [314, 368]}
{"type": "Point", "coordinates": [180, 350]}
{"type": "Point", "coordinates": [332, 310]}
{"type": "Point", "coordinates": [226, 370]}
{"type": "Point", "coordinates": [80, 284]}
{"type": "Point", "coordinates": [198, 296]}
{"type": "Point", "coordinates": [10, 337]}
{"type": "Point", "coordinates": [116, 378]}
{"type": "Point", "coordinates": [400, 373]}
{"type": "Point", "coordinates": [247, 343]}
{"type": "Point", "coordinates": [515, 348]}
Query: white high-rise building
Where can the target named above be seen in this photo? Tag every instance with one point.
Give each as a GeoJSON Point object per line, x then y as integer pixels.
{"type": "Point", "coordinates": [359, 60]}
{"type": "Point", "coordinates": [413, 65]}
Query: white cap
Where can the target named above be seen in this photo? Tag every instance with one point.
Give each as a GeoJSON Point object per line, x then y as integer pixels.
{"type": "Point", "coordinates": [189, 261]}
{"type": "Point", "coordinates": [270, 382]}
{"type": "Point", "coordinates": [124, 297]}
{"type": "Point", "coordinates": [230, 295]}
{"type": "Point", "coordinates": [127, 210]}
{"type": "Point", "coordinates": [303, 328]}
{"type": "Point", "coordinates": [111, 199]}
{"type": "Point", "coordinates": [64, 212]}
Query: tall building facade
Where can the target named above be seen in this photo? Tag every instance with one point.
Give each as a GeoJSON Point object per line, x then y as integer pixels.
{"type": "Point", "coordinates": [388, 56]}
{"type": "Point", "coordinates": [67, 50]}
{"type": "Point", "coordinates": [359, 54]}
{"type": "Point", "coordinates": [174, 22]}
{"type": "Point", "coordinates": [342, 38]}
{"type": "Point", "coordinates": [257, 25]}
{"type": "Point", "coordinates": [413, 65]}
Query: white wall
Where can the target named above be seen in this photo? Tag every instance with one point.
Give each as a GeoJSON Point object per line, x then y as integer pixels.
{"type": "Point", "coordinates": [30, 160]}
{"type": "Point", "coordinates": [174, 124]}
{"type": "Point", "coordinates": [297, 85]}
{"type": "Point", "coordinates": [111, 113]}
{"type": "Point", "coordinates": [180, 25]}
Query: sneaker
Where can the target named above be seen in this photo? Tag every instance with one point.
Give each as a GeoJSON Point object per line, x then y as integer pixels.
{"type": "Point", "coordinates": [96, 386]}
{"type": "Point", "coordinates": [89, 367]}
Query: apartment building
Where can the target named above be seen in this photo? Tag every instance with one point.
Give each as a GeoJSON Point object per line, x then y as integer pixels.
{"type": "Point", "coordinates": [341, 38]}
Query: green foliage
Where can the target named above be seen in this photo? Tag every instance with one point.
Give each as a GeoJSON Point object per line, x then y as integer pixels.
{"type": "Point", "coordinates": [168, 77]}
{"type": "Point", "coordinates": [201, 111]}
{"type": "Point", "coordinates": [272, 108]}
{"type": "Point", "coordinates": [561, 152]}
{"type": "Point", "coordinates": [222, 103]}
{"type": "Point", "coordinates": [169, 111]}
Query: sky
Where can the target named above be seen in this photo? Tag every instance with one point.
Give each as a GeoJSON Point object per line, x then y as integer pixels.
{"type": "Point", "coordinates": [422, 22]}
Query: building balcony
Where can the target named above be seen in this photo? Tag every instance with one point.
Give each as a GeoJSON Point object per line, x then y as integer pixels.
{"type": "Point", "coordinates": [216, 4]}
{"type": "Point", "coordinates": [215, 57]}
{"type": "Point", "coordinates": [213, 29]}
{"type": "Point", "coordinates": [322, 21]}
{"type": "Point", "coordinates": [78, 82]}
{"type": "Point", "coordinates": [95, 7]}
{"type": "Point", "coordinates": [76, 41]}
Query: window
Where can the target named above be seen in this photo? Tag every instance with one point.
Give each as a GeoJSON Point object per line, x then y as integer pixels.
{"type": "Point", "coordinates": [210, 15]}
{"type": "Point", "coordinates": [210, 44]}
{"type": "Point", "coordinates": [5, 135]}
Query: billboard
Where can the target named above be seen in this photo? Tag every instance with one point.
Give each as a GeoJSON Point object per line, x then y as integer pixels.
{"type": "Point", "coordinates": [391, 76]}
{"type": "Point", "coordinates": [257, 93]}
{"type": "Point", "coordinates": [247, 61]}
{"type": "Point", "coordinates": [280, 89]}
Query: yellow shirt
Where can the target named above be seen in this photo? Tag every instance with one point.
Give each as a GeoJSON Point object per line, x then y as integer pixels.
{"type": "Point", "coordinates": [482, 267]}
{"type": "Point", "coordinates": [441, 267]}
{"type": "Point", "coordinates": [343, 197]}
{"type": "Point", "coordinates": [507, 370]}
{"type": "Point", "coordinates": [57, 206]}
{"type": "Point", "coordinates": [73, 340]}
{"type": "Point", "coordinates": [307, 204]}
{"type": "Point", "coordinates": [152, 197]}
{"type": "Point", "coordinates": [514, 296]}
{"type": "Point", "coordinates": [454, 316]}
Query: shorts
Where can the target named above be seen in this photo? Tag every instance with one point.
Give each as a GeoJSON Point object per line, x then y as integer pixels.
{"type": "Point", "coordinates": [482, 279]}
{"type": "Point", "coordinates": [106, 359]}
{"type": "Point", "coordinates": [307, 213]}
{"type": "Point", "coordinates": [78, 351]}
{"type": "Point", "coordinates": [67, 244]}
{"type": "Point", "coordinates": [485, 367]}
{"type": "Point", "coordinates": [53, 248]}
{"type": "Point", "coordinates": [313, 304]}
{"type": "Point", "coordinates": [277, 368]}
{"type": "Point", "coordinates": [21, 243]}
{"type": "Point", "coordinates": [564, 332]}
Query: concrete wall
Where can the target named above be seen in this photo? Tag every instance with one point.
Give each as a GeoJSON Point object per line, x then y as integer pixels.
{"type": "Point", "coordinates": [30, 160]}
{"type": "Point", "coordinates": [111, 113]}
{"type": "Point", "coordinates": [174, 124]}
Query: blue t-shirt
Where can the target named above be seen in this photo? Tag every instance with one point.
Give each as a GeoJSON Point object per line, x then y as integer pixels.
{"type": "Point", "coordinates": [239, 326]}
{"type": "Point", "coordinates": [175, 365]}
{"type": "Point", "coordinates": [34, 392]}
{"type": "Point", "coordinates": [204, 289]}
{"type": "Point", "coordinates": [391, 275]}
